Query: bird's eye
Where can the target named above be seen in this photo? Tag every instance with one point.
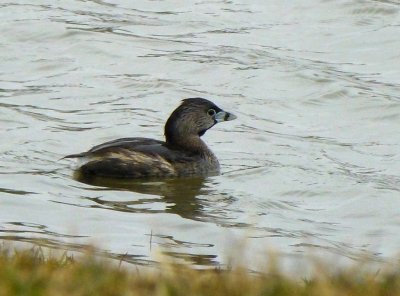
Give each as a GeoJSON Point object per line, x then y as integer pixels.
{"type": "Point", "coordinates": [211, 112]}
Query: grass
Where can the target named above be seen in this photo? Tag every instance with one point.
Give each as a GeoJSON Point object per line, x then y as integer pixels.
{"type": "Point", "coordinates": [30, 272]}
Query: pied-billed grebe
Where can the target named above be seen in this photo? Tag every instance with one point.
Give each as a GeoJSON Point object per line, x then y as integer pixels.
{"type": "Point", "coordinates": [182, 154]}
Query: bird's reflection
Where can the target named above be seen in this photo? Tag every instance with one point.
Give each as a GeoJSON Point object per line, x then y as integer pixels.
{"type": "Point", "coordinates": [186, 197]}
{"type": "Point", "coordinates": [179, 195]}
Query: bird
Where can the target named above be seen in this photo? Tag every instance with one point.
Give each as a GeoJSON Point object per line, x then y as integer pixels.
{"type": "Point", "coordinates": [182, 154]}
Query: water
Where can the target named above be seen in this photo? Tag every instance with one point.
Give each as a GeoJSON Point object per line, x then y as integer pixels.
{"type": "Point", "coordinates": [311, 165]}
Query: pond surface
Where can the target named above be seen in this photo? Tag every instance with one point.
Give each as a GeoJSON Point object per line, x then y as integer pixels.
{"type": "Point", "coordinates": [311, 165]}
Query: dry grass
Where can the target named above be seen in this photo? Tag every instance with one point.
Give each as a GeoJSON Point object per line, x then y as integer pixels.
{"type": "Point", "coordinates": [32, 273]}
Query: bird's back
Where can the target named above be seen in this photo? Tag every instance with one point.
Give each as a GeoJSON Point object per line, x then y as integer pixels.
{"type": "Point", "coordinates": [142, 158]}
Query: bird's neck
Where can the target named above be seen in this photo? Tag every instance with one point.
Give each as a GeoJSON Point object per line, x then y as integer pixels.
{"type": "Point", "coordinates": [191, 143]}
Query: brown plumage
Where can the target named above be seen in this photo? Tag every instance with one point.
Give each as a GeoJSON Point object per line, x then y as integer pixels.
{"type": "Point", "coordinates": [182, 154]}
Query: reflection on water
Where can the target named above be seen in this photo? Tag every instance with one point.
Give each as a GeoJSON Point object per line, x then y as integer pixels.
{"type": "Point", "coordinates": [179, 195]}
{"type": "Point", "coordinates": [310, 166]}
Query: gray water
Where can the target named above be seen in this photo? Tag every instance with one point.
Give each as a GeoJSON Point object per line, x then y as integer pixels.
{"type": "Point", "coordinates": [311, 165]}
